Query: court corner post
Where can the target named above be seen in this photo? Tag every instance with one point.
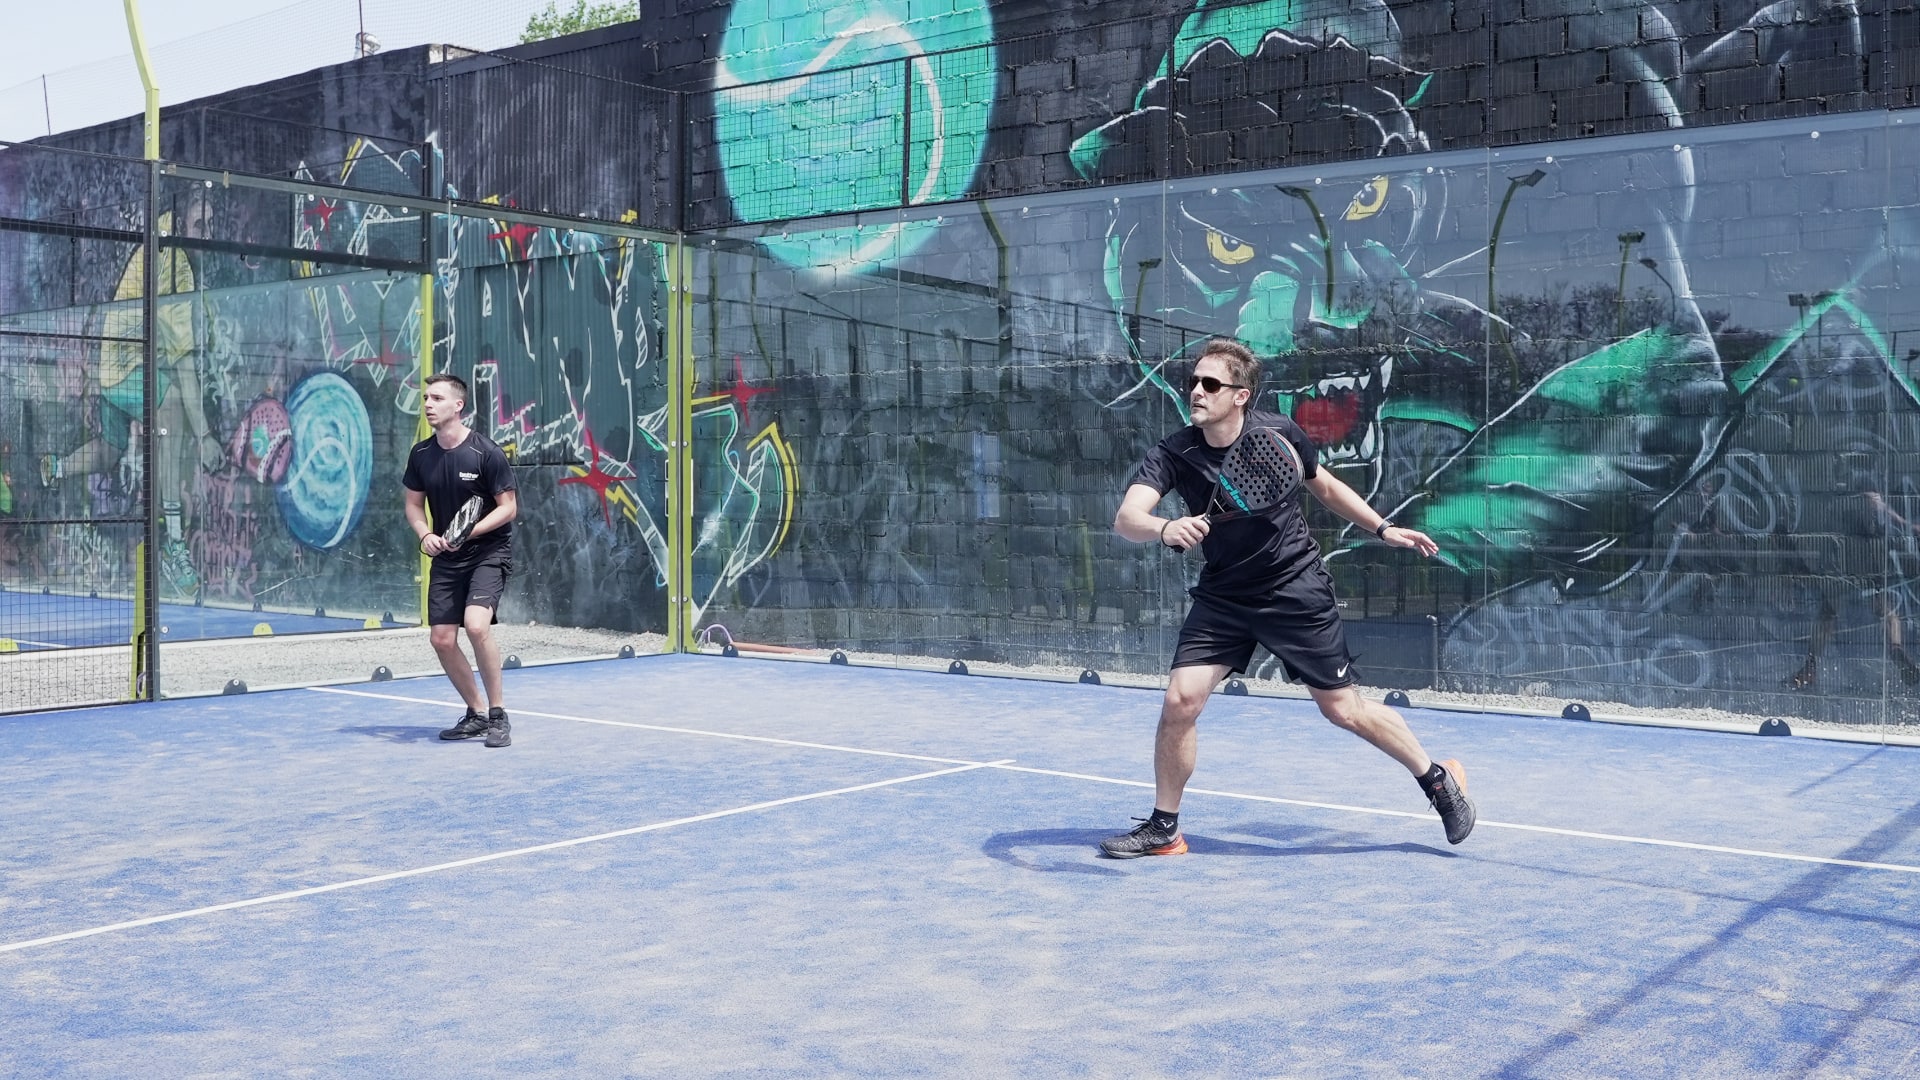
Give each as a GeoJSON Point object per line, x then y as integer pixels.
{"type": "Point", "coordinates": [138, 38]}
{"type": "Point", "coordinates": [680, 381]}
{"type": "Point", "coordinates": [147, 574]}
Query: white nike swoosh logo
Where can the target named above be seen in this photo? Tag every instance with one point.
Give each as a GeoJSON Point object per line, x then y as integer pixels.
{"type": "Point", "coordinates": [1341, 673]}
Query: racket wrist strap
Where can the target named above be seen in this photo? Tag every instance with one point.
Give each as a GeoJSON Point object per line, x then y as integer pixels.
{"type": "Point", "coordinates": [1381, 532]}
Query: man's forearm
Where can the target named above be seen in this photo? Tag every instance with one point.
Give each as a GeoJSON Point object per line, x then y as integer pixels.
{"type": "Point", "coordinates": [1140, 527]}
{"type": "Point", "coordinates": [1346, 502]}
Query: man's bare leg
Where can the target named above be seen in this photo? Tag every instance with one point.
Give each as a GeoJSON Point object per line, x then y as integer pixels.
{"type": "Point", "coordinates": [1176, 746]}
{"type": "Point", "coordinates": [446, 645]}
{"type": "Point", "coordinates": [486, 652]}
{"type": "Point", "coordinates": [1380, 725]}
{"type": "Point", "coordinates": [1176, 742]}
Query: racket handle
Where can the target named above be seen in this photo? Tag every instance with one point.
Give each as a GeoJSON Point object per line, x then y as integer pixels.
{"type": "Point", "coordinates": [1208, 518]}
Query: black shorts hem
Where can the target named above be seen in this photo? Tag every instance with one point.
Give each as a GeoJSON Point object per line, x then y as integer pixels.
{"type": "Point", "coordinates": [1299, 624]}
{"type": "Point", "coordinates": [451, 590]}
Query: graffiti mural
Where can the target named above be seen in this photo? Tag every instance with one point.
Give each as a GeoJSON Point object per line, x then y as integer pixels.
{"type": "Point", "coordinates": [323, 492]}
{"type": "Point", "coordinates": [1534, 279]}
{"type": "Point", "coordinates": [887, 99]}
{"type": "Point", "coordinates": [1602, 378]}
{"type": "Point", "coordinates": [289, 392]}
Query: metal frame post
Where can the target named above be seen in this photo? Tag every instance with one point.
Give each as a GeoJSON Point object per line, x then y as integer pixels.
{"type": "Point", "coordinates": [147, 660]}
{"type": "Point", "coordinates": [680, 385]}
{"type": "Point", "coordinates": [906, 132]}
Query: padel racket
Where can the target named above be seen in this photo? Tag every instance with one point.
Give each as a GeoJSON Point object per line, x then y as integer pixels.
{"type": "Point", "coordinates": [461, 526]}
{"type": "Point", "coordinates": [1261, 471]}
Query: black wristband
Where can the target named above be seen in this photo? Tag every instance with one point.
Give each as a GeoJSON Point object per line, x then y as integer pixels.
{"type": "Point", "coordinates": [1381, 532]}
{"type": "Point", "coordinates": [1163, 531]}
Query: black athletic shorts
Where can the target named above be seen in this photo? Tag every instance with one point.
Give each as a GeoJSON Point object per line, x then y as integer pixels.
{"type": "Point", "coordinates": [451, 589]}
{"type": "Point", "coordinates": [1299, 624]}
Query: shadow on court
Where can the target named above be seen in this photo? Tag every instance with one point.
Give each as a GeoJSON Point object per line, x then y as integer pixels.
{"type": "Point", "coordinates": [1825, 1024]}
{"type": "Point", "coordinates": [395, 734]}
{"type": "Point", "coordinates": [1081, 847]}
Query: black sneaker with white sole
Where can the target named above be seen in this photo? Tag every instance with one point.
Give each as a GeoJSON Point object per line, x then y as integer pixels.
{"type": "Point", "coordinates": [471, 726]}
{"type": "Point", "coordinates": [499, 732]}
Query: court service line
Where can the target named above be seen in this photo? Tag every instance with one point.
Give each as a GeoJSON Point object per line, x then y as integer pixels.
{"type": "Point", "coordinates": [657, 727]}
{"type": "Point", "coordinates": [296, 894]}
{"type": "Point", "coordinates": [1619, 838]}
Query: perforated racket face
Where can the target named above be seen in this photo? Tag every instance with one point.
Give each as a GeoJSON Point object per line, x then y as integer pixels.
{"type": "Point", "coordinates": [463, 522]}
{"type": "Point", "coordinates": [1261, 471]}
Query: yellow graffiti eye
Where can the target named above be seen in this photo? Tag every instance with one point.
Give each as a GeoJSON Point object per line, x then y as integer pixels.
{"type": "Point", "coordinates": [1369, 201]}
{"type": "Point", "coordinates": [1226, 250]}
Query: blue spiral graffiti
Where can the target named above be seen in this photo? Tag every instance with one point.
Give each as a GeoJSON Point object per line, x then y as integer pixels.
{"type": "Point", "coordinates": [324, 492]}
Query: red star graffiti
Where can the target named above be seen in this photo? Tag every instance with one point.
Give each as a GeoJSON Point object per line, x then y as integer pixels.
{"type": "Point", "coordinates": [743, 394]}
{"type": "Point", "coordinates": [515, 235]}
{"type": "Point", "coordinates": [599, 480]}
{"type": "Point", "coordinates": [320, 210]}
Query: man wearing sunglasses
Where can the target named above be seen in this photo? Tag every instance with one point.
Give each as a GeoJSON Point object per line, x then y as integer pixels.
{"type": "Point", "coordinates": [1263, 584]}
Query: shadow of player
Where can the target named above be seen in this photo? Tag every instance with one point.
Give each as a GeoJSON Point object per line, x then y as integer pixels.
{"type": "Point", "coordinates": [396, 734]}
{"type": "Point", "coordinates": [1016, 848]}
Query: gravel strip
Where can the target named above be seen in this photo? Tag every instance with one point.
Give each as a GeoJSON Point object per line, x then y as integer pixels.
{"type": "Point", "coordinates": [70, 677]}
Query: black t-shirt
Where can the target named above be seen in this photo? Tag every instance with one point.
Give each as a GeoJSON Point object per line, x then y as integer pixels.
{"type": "Point", "coordinates": [449, 477]}
{"type": "Point", "coordinates": [1247, 558]}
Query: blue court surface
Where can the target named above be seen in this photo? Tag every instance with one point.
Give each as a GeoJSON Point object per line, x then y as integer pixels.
{"type": "Point", "coordinates": [35, 620]}
{"type": "Point", "coordinates": [704, 867]}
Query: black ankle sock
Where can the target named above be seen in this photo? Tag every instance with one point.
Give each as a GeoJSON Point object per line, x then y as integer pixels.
{"type": "Point", "coordinates": [1431, 778]}
{"type": "Point", "coordinates": [1163, 820]}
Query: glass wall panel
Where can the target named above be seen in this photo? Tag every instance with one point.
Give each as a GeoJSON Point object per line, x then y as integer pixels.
{"type": "Point", "coordinates": [1684, 488]}
{"type": "Point", "coordinates": [72, 509]}
{"type": "Point", "coordinates": [960, 405]}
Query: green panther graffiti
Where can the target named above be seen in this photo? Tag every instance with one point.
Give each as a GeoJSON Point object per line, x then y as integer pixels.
{"type": "Point", "coordinates": [1529, 406]}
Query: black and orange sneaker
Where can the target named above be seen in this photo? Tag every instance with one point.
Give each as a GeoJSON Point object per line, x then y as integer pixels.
{"type": "Point", "coordinates": [471, 726]}
{"type": "Point", "coordinates": [1449, 797]}
{"type": "Point", "coordinates": [1146, 838]}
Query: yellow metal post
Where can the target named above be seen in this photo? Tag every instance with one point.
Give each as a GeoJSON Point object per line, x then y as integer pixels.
{"type": "Point", "coordinates": [136, 688]}
{"type": "Point", "coordinates": [680, 383]}
{"type": "Point", "coordinates": [144, 650]}
{"type": "Point", "coordinates": [146, 80]}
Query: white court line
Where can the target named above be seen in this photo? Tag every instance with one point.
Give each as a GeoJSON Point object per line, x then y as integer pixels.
{"type": "Point", "coordinates": [1485, 824]}
{"type": "Point", "coordinates": [1618, 838]}
{"type": "Point", "coordinates": [655, 727]}
{"type": "Point", "coordinates": [296, 894]}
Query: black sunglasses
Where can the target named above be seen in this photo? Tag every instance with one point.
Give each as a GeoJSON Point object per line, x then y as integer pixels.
{"type": "Point", "coordinates": [1210, 384]}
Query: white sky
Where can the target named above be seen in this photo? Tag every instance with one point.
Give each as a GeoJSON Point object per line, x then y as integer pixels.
{"type": "Point", "coordinates": [52, 36]}
{"type": "Point", "coordinates": [202, 47]}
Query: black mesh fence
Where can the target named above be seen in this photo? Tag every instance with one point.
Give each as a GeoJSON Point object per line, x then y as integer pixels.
{"type": "Point", "coordinates": [557, 137]}
{"type": "Point", "coordinates": [74, 419]}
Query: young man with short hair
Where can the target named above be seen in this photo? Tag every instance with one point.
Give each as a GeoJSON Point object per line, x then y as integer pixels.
{"type": "Point", "coordinates": [1263, 584]}
{"type": "Point", "coordinates": [465, 588]}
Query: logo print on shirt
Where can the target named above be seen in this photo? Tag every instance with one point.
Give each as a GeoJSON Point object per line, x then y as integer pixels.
{"type": "Point", "coordinates": [469, 476]}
